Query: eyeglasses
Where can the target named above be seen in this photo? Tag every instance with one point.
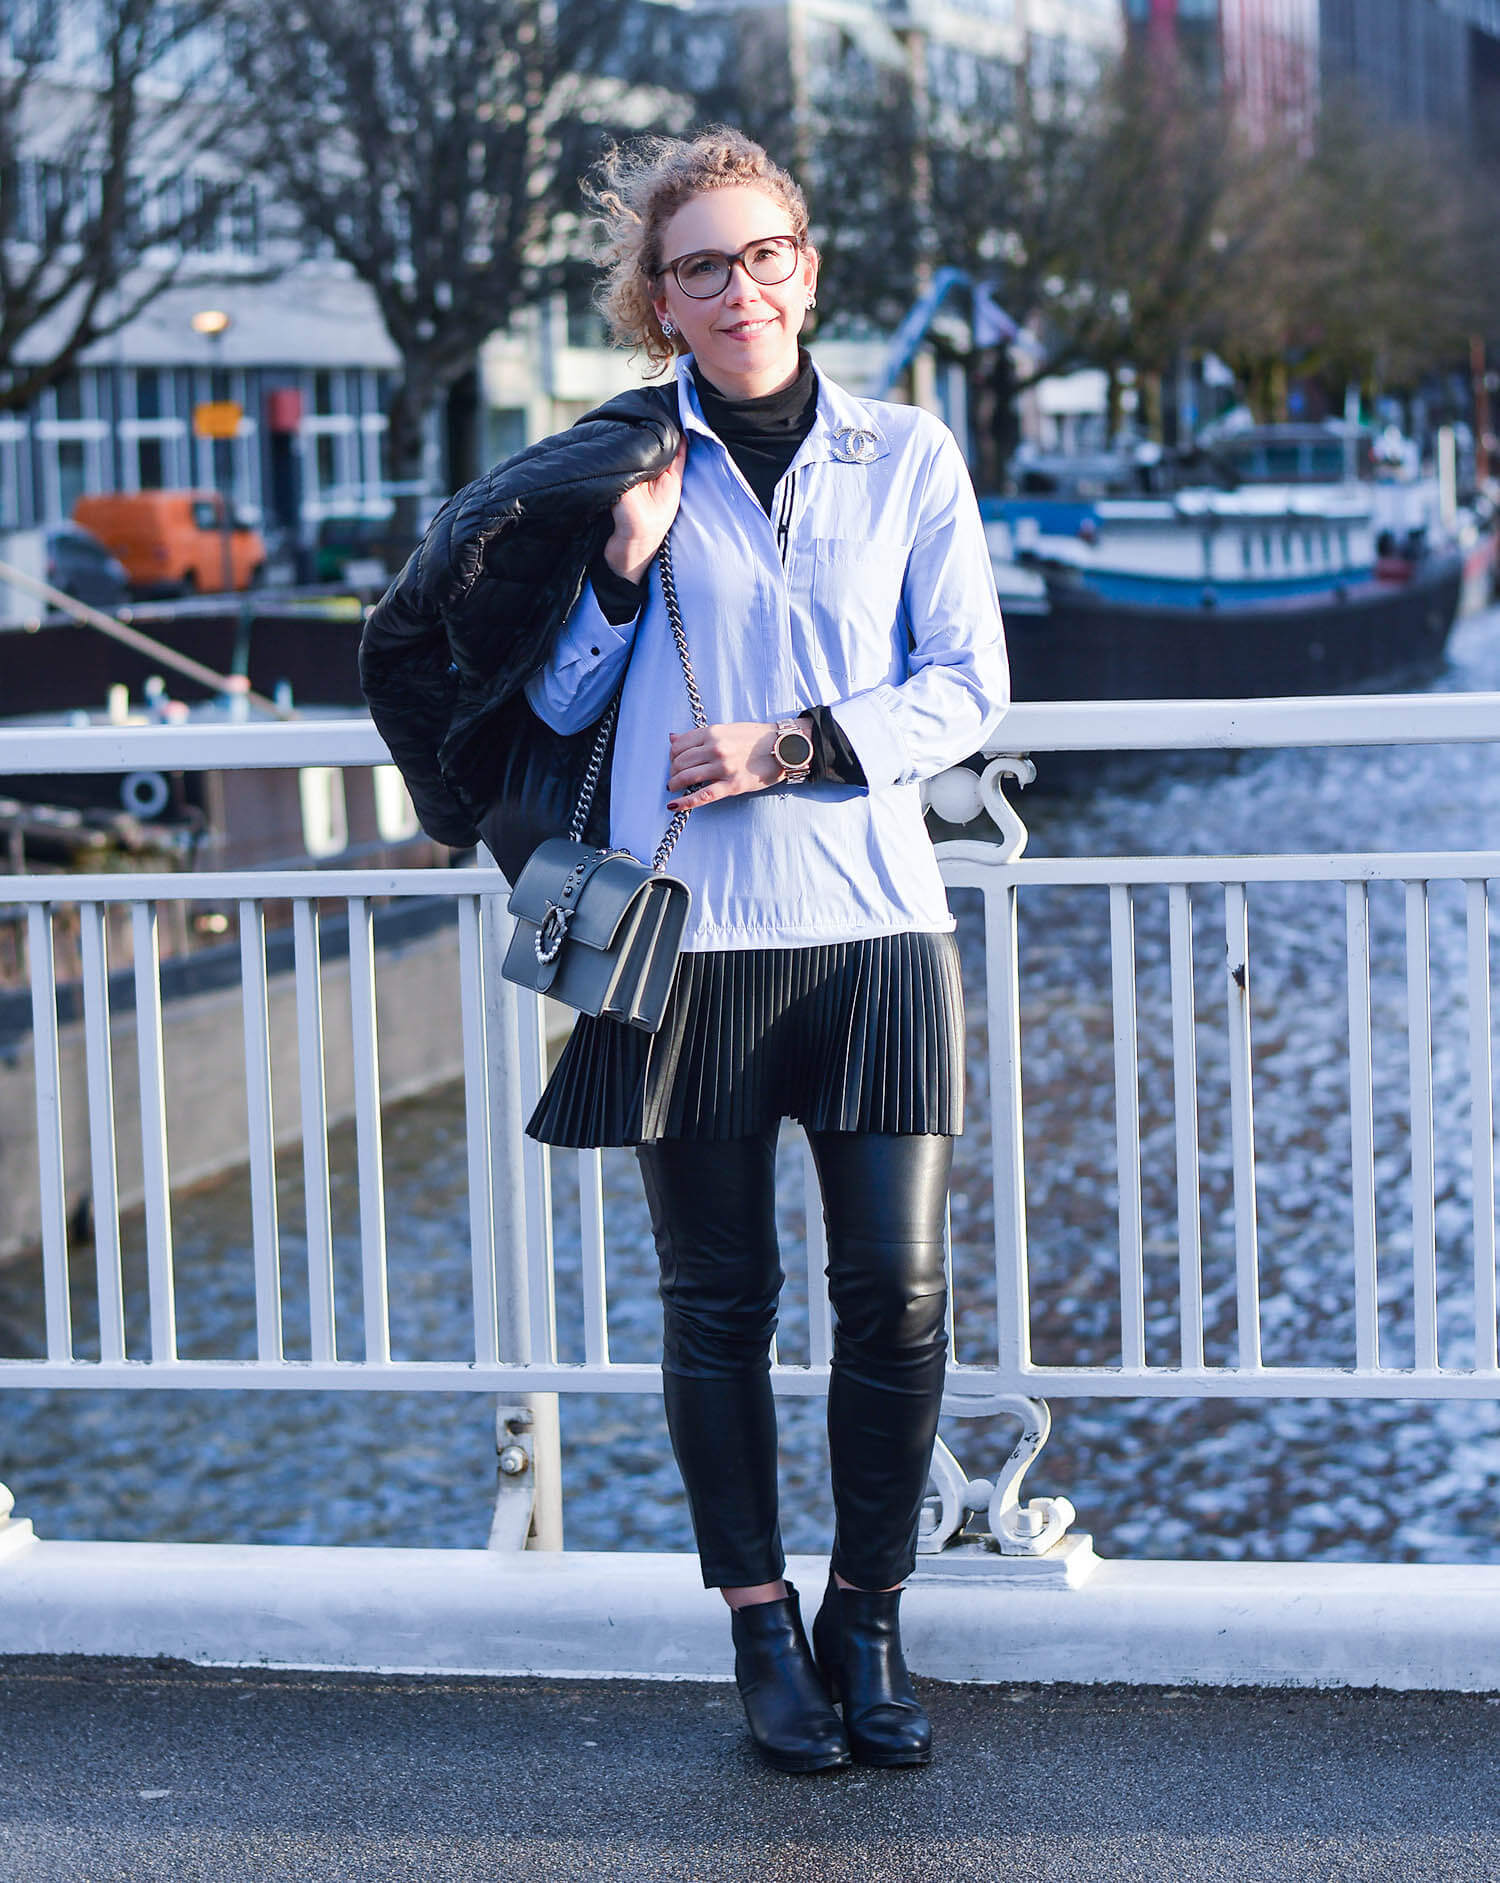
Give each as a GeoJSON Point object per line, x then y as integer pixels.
{"type": "Point", "coordinates": [706, 272]}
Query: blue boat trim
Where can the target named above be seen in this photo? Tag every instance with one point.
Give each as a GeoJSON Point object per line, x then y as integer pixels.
{"type": "Point", "coordinates": [1165, 591]}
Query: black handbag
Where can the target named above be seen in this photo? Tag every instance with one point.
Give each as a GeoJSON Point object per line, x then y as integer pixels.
{"type": "Point", "coordinates": [599, 929]}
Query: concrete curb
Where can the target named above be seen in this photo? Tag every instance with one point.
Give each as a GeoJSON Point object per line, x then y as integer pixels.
{"type": "Point", "coordinates": [1417, 1626]}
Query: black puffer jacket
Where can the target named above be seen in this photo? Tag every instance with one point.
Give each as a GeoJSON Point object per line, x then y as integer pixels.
{"type": "Point", "coordinates": [447, 651]}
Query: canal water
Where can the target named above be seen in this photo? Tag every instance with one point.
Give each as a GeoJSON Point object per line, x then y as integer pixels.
{"type": "Point", "coordinates": [1309, 1479]}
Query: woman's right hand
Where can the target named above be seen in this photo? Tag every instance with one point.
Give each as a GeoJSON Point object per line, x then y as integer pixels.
{"type": "Point", "coordinates": [642, 518]}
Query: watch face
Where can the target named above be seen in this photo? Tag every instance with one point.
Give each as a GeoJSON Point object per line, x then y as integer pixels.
{"type": "Point", "coordinates": [793, 750]}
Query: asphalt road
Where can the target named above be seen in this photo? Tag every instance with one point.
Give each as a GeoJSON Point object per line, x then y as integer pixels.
{"type": "Point", "coordinates": [142, 1773]}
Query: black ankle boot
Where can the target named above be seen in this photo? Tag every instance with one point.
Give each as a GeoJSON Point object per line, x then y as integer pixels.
{"type": "Point", "coordinates": [857, 1639]}
{"type": "Point", "coordinates": [786, 1703]}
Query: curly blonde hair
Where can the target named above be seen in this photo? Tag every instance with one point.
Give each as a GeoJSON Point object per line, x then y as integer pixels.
{"type": "Point", "coordinates": [636, 189]}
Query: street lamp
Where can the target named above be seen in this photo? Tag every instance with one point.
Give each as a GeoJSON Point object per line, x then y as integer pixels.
{"type": "Point", "coordinates": [219, 418]}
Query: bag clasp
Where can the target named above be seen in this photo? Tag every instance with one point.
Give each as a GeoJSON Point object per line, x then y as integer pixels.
{"type": "Point", "coordinates": [551, 933]}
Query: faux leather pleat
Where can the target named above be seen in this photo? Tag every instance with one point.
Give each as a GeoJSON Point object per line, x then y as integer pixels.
{"type": "Point", "coordinates": [855, 1036]}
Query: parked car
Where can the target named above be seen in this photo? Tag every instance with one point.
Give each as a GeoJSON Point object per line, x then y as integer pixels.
{"type": "Point", "coordinates": [172, 542]}
{"type": "Point", "coordinates": [80, 565]}
{"type": "Point", "coordinates": [365, 551]}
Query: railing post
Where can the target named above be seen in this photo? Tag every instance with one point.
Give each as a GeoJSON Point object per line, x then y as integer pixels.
{"type": "Point", "coordinates": [528, 1502]}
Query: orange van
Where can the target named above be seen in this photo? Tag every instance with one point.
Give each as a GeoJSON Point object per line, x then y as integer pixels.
{"type": "Point", "coordinates": [172, 541]}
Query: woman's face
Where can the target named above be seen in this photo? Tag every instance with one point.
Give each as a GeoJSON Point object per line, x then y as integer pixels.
{"type": "Point", "coordinates": [745, 338]}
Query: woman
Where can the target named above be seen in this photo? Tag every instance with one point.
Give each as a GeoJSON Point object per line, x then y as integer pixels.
{"type": "Point", "coordinates": [841, 616]}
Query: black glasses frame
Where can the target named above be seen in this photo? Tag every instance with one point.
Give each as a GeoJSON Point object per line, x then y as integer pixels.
{"type": "Point", "coordinates": [729, 261]}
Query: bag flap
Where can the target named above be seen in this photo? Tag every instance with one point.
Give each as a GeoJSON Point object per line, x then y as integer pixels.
{"type": "Point", "coordinates": [541, 880]}
{"type": "Point", "coordinates": [605, 897]}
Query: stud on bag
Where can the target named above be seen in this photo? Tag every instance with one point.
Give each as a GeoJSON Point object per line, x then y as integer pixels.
{"type": "Point", "coordinates": [599, 929]}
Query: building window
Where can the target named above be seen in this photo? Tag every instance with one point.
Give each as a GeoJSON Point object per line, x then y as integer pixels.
{"type": "Point", "coordinates": [72, 473]}
{"type": "Point", "coordinates": [586, 326]}
{"type": "Point", "coordinates": [14, 465]}
{"type": "Point", "coordinates": [342, 435]}
{"type": "Point", "coordinates": [505, 429]}
{"type": "Point", "coordinates": [154, 441]}
{"type": "Point", "coordinates": [244, 220]}
{"type": "Point", "coordinates": [373, 457]}
{"type": "Point", "coordinates": [74, 444]}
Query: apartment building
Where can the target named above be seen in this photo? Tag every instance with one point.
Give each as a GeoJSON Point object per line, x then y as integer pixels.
{"type": "Point", "coordinates": [302, 350]}
{"type": "Point", "coordinates": [552, 365]}
{"type": "Point", "coordinates": [305, 354]}
{"type": "Point", "coordinates": [305, 358]}
{"type": "Point", "coordinates": [1264, 53]}
{"type": "Point", "coordinates": [1434, 63]}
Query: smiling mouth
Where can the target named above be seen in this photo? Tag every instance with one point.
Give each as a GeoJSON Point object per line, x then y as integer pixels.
{"type": "Point", "coordinates": [745, 327]}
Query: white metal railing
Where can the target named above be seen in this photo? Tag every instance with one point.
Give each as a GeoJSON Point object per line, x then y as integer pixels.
{"type": "Point", "coordinates": [513, 1280]}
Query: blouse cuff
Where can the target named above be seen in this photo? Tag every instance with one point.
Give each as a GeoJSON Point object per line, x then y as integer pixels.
{"type": "Point", "coordinates": [874, 735]}
{"type": "Point", "coordinates": [619, 599]}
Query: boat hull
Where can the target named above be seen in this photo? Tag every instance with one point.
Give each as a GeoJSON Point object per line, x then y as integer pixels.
{"type": "Point", "coordinates": [1084, 647]}
{"type": "Point", "coordinates": [58, 667]}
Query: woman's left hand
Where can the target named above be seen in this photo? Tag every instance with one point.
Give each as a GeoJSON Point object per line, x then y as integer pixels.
{"type": "Point", "coordinates": [715, 762]}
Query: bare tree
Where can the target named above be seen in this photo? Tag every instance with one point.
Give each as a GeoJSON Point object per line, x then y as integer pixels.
{"type": "Point", "coordinates": [1013, 163]}
{"type": "Point", "coordinates": [1375, 275]}
{"type": "Point", "coordinates": [434, 146]}
{"type": "Point", "coordinates": [1175, 204]}
{"type": "Point", "coordinates": [111, 115]}
{"type": "Point", "coordinates": [1088, 201]}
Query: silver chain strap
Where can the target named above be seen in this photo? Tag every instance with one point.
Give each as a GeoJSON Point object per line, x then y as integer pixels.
{"type": "Point", "coordinates": [591, 777]}
{"type": "Point", "coordinates": [606, 724]}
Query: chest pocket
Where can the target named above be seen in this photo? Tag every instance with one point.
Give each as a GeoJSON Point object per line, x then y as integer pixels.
{"type": "Point", "coordinates": [855, 593]}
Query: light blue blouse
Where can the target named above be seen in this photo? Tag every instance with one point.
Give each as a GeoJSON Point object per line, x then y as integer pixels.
{"type": "Point", "coordinates": [868, 589]}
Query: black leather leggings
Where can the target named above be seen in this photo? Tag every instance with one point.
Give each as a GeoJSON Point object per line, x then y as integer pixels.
{"type": "Point", "coordinates": [714, 1216]}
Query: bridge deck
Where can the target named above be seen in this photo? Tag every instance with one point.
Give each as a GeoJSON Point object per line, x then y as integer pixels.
{"type": "Point", "coordinates": [115, 1771]}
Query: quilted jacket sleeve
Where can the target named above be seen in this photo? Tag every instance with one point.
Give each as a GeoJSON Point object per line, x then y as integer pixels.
{"type": "Point", "coordinates": [478, 604]}
{"type": "Point", "coordinates": [407, 674]}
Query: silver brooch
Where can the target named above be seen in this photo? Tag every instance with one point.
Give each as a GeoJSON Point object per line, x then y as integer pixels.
{"type": "Point", "coordinates": [851, 445]}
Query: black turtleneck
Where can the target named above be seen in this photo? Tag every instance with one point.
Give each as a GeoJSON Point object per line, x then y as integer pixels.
{"type": "Point", "coordinates": [762, 436]}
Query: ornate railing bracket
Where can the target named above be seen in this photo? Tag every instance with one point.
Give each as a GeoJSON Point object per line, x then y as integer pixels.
{"type": "Point", "coordinates": [16, 1534]}
{"type": "Point", "coordinates": [959, 795]}
{"type": "Point", "coordinates": [968, 1522]}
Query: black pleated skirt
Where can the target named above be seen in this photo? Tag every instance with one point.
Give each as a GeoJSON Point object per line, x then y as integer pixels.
{"type": "Point", "coordinates": [854, 1036]}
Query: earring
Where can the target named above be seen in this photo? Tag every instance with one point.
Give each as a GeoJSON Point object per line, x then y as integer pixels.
{"type": "Point", "coordinates": [812, 302]}
{"type": "Point", "coordinates": [668, 329]}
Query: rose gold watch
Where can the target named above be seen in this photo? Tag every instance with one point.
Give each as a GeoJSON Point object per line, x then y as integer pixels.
{"type": "Point", "coordinates": [792, 749]}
